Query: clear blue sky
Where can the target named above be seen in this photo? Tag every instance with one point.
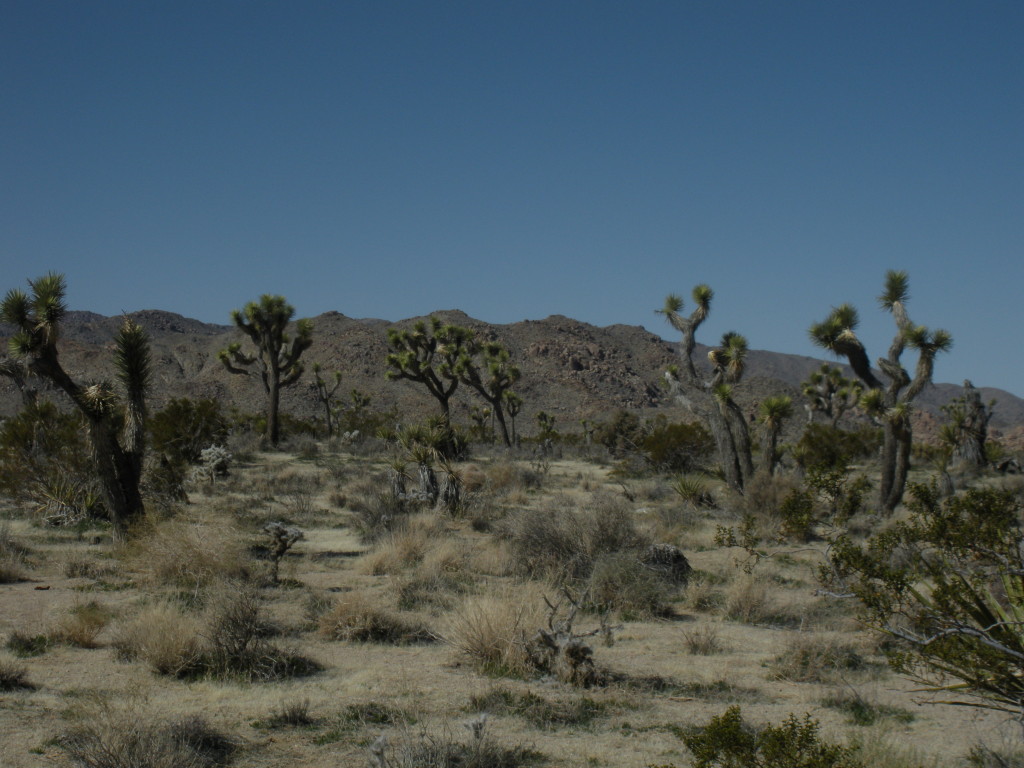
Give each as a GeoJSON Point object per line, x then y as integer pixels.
{"type": "Point", "coordinates": [521, 159]}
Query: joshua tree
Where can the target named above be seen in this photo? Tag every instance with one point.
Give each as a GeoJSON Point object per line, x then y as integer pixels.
{"type": "Point", "coordinates": [325, 394]}
{"type": "Point", "coordinates": [890, 404]}
{"type": "Point", "coordinates": [712, 397]}
{"type": "Point", "coordinates": [773, 412]}
{"type": "Point", "coordinates": [968, 426]}
{"type": "Point", "coordinates": [491, 378]}
{"type": "Point", "coordinates": [513, 405]}
{"type": "Point", "coordinates": [430, 357]}
{"type": "Point", "coordinates": [277, 355]}
{"type": "Point", "coordinates": [116, 423]}
{"type": "Point", "coordinates": [830, 393]}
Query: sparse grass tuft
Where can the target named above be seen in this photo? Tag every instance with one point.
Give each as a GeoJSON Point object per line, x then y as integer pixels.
{"type": "Point", "coordinates": [441, 749]}
{"type": "Point", "coordinates": [862, 712]}
{"type": "Point", "coordinates": [83, 625]}
{"type": "Point", "coordinates": [24, 645]}
{"type": "Point", "coordinates": [190, 553]}
{"type": "Point", "coordinates": [703, 641]}
{"type": "Point", "coordinates": [491, 631]}
{"type": "Point", "coordinates": [576, 712]}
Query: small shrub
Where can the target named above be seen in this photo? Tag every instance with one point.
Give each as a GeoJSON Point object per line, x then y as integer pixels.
{"type": "Point", "coordinates": [703, 641]}
{"type": "Point", "coordinates": [862, 712]}
{"type": "Point", "coordinates": [798, 516]}
{"type": "Point", "coordinates": [442, 750]}
{"type": "Point", "coordinates": [815, 659]}
{"type": "Point", "coordinates": [377, 511]}
{"type": "Point", "coordinates": [24, 645]}
{"type": "Point", "coordinates": [577, 712]}
{"type": "Point", "coordinates": [747, 600]}
{"type": "Point", "coordinates": [13, 677]}
{"type": "Point", "coordinates": [293, 714]}
{"type": "Point", "coordinates": [621, 582]}
{"type": "Point", "coordinates": [190, 553]}
{"type": "Point", "coordinates": [678, 447]}
{"type": "Point", "coordinates": [357, 618]}
{"type": "Point", "coordinates": [126, 740]}
{"type": "Point", "coordinates": [727, 741]}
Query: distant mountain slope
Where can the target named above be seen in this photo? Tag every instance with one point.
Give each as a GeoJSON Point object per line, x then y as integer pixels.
{"type": "Point", "coordinates": [570, 369]}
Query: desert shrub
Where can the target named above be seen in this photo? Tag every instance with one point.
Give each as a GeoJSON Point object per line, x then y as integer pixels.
{"type": "Point", "coordinates": [812, 658]}
{"type": "Point", "coordinates": [45, 459]}
{"type": "Point", "coordinates": [678, 448]}
{"type": "Point", "coordinates": [358, 617]}
{"type": "Point", "coordinates": [622, 434]}
{"type": "Point", "coordinates": [747, 600]}
{"type": "Point", "coordinates": [404, 547]}
{"type": "Point", "coordinates": [729, 742]}
{"type": "Point", "coordinates": [83, 565]}
{"type": "Point", "coordinates": [440, 749]}
{"type": "Point", "coordinates": [799, 515]}
{"type": "Point", "coordinates": [13, 677]}
{"type": "Point", "coordinates": [184, 427]}
{"type": "Point", "coordinates": [822, 445]}
{"type": "Point", "coordinates": [564, 542]}
{"type": "Point", "coordinates": [83, 625]}
{"type": "Point", "coordinates": [620, 582]}
{"type": "Point", "coordinates": [236, 639]}
{"type": "Point", "coordinates": [189, 553]}
{"type": "Point", "coordinates": [694, 492]}
{"type": "Point", "coordinates": [764, 494]}
{"type": "Point", "coordinates": [123, 739]}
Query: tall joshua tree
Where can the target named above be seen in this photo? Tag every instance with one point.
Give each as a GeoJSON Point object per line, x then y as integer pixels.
{"type": "Point", "coordinates": [888, 403]}
{"type": "Point", "coordinates": [116, 422]}
{"type": "Point", "coordinates": [711, 397]}
{"type": "Point", "coordinates": [325, 394]}
{"type": "Point", "coordinates": [491, 377]}
{"type": "Point", "coordinates": [277, 354]}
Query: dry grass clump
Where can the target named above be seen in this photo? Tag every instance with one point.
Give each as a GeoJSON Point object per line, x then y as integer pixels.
{"type": "Point", "coordinates": [84, 565]}
{"type": "Point", "coordinates": [747, 600]}
{"type": "Point", "coordinates": [13, 677]}
{"type": "Point", "coordinates": [440, 749]}
{"type": "Point", "coordinates": [813, 658]}
{"type": "Point", "coordinates": [83, 625]}
{"type": "Point", "coordinates": [122, 738]}
{"type": "Point", "coordinates": [764, 494]}
{"type": "Point", "coordinates": [564, 542]}
{"type": "Point", "coordinates": [24, 645]}
{"type": "Point", "coordinates": [575, 712]}
{"type": "Point", "coordinates": [230, 640]}
{"type": "Point", "coordinates": [358, 617]}
{"type": "Point", "coordinates": [162, 636]}
{"type": "Point", "coordinates": [703, 641]}
{"type": "Point", "coordinates": [13, 556]}
{"type": "Point", "coordinates": [191, 553]}
{"type": "Point", "coordinates": [438, 579]}
{"type": "Point", "coordinates": [376, 510]}
{"type": "Point", "coordinates": [405, 546]}
{"type": "Point", "coordinates": [491, 630]}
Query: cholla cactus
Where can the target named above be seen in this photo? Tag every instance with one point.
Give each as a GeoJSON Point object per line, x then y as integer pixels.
{"type": "Point", "coordinates": [282, 538]}
{"type": "Point", "coordinates": [214, 462]}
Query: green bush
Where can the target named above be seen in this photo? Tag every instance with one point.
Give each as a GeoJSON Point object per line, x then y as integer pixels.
{"type": "Point", "coordinates": [727, 741]}
{"type": "Point", "coordinates": [822, 445]}
{"type": "Point", "coordinates": [183, 428]}
{"type": "Point", "coordinates": [678, 447]}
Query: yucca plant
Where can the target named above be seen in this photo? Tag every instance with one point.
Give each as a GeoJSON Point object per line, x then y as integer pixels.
{"type": "Point", "coordinates": [116, 419]}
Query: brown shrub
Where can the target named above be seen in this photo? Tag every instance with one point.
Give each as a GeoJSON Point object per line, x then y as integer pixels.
{"type": "Point", "coordinates": [357, 617]}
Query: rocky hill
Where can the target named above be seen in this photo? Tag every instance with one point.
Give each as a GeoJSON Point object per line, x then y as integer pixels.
{"type": "Point", "coordinates": [570, 369]}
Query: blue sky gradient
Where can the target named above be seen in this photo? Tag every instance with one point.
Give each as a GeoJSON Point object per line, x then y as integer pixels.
{"type": "Point", "coordinates": [521, 159]}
